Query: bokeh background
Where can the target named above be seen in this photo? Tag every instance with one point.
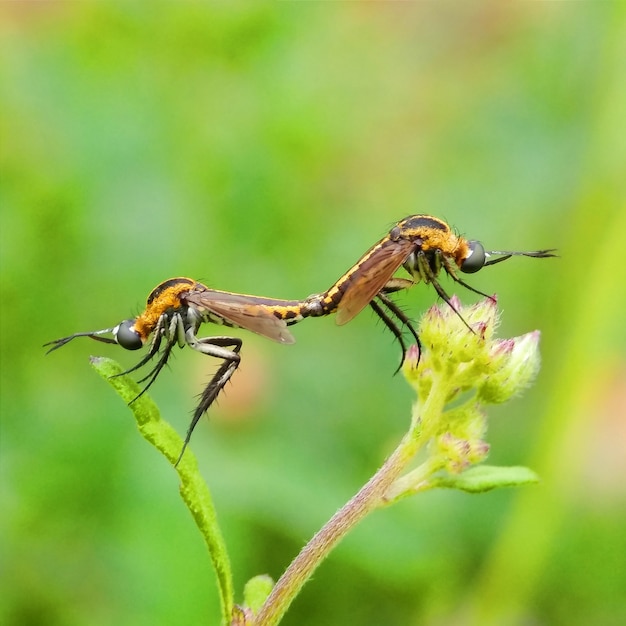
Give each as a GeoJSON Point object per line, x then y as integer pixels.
{"type": "Point", "coordinates": [262, 148]}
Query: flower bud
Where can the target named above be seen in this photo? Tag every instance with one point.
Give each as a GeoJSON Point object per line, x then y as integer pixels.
{"type": "Point", "coordinates": [515, 363]}
{"type": "Point", "coordinates": [461, 453]}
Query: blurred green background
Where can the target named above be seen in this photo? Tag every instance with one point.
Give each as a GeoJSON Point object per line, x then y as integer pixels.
{"type": "Point", "coordinates": [262, 148]}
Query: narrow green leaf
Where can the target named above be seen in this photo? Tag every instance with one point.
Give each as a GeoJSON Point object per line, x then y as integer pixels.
{"type": "Point", "coordinates": [487, 477]}
{"type": "Point", "coordinates": [193, 489]}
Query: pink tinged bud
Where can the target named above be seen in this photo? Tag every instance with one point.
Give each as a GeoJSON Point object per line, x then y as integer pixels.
{"type": "Point", "coordinates": [480, 451]}
{"type": "Point", "coordinates": [500, 351]}
{"type": "Point", "coordinates": [433, 321]}
{"type": "Point", "coordinates": [483, 317]}
{"type": "Point", "coordinates": [455, 304]}
{"type": "Point", "coordinates": [461, 453]}
{"type": "Point", "coordinates": [525, 355]}
{"type": "Point", "coordinates": [410, 365]}
{"type": "Point", "coordinates": [481, 329]}
{"type": "Point", "coordinates": [512, 368]}
{"type": "Point", "coordinates": [412, 356]}
{"type": "Point", "coordinates": [502, 347]}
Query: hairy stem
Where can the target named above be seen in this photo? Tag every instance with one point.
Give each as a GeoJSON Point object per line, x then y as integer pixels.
{"type": "Point", "coordinates": [371, 496]}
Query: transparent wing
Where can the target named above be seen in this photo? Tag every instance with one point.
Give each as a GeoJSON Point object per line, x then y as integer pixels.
{"type": "Point", "coordinates": [371, 276]}
{"type": "Point", "coordinates": [245, 312]}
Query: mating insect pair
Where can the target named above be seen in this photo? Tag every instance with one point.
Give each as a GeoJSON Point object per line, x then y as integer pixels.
{"type": "Point", "coordinates": [175, 310]}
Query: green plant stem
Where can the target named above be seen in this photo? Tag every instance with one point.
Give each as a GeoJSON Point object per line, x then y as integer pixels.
{"type": "Point", "coordinates": [303, 566]}
{"type": "Point", "coordinates": [413, 482]}
{"type": "Point", "coordinates": [371, 496]}
{"type": "Point", "coordinates": [193, 488]}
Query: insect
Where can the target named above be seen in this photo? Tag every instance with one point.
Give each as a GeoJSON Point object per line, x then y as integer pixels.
{"type": "Point", "coordinates": [177, 307]}
{"type": "Point", "coordinates": [424, 245]}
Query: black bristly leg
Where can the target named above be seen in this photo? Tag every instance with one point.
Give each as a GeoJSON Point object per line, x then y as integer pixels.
{"type": "Point", "coordinates": [156, 370]}
{"type": "Point", "coordinates": [431, 277]}
{"type": "Point", "coordinates": [450, 270]}
{"type": "Point", "coordinates": [171, 335]}
{"type": "Point", "coordinates": [400, 314]}
{"type": "Point", "coordinates": [217, 347]}
{"type": "Point", "coordinates": [391, 325]}
{"type": "Point", "coordinates": [406, 322]}
{"type": "Point", "coordinates": [154, 348]}
{"type": "Point", "coordinates": [392, 286]}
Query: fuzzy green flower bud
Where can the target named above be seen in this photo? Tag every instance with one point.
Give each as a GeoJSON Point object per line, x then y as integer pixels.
{"type": "Point", "coordinates": [514, 366]}
{"type": "Point", "coordinates": [455, 334]}
{"type": "Point", "coordinates": [463, 362]}
{"type": "Point", "coordinates": [471, 359]}
{"type": "Point", "coordinates": [461, 453]}
{"type": "Point", "coordinates": [456, 345]}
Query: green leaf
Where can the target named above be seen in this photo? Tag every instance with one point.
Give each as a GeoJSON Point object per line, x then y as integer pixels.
{"type": "Point", "coordinates": [256, 591]}
{"type": "Point", "coordinates": [193, 489]}
{"type": "Point", "coordinates": [487, 477]}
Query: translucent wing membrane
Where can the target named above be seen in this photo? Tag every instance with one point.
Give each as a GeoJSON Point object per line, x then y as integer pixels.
{"type": "Point", "coordinates": [244, 312]}
{"type": "Point", "coordinates": [370, 276]}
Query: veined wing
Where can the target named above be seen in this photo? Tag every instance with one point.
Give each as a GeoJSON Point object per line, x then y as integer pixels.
{"type": "Point", "coordinates": [245, 312]}
{"type": "Point", "coordinates": [370, 275]}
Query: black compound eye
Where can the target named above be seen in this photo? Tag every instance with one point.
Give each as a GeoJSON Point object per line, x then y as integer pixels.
{"type": "Point", "coordinates": [127, 336]}
{"type": "Point", "coordinates": [476, 258]}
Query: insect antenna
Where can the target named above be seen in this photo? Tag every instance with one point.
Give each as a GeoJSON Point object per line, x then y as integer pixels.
{"type": "Point", "coordinates": [507, 254]}
{"type": "Point", "coordinates": [95, 334]}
